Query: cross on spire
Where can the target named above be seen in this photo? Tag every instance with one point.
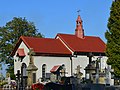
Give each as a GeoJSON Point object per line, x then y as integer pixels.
{"type": "Point", "coordinates": [78, 12]}
{"type": "Point", "coordinates": [79, 32]}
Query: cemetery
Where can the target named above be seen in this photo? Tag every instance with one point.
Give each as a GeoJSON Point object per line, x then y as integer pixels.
{"type": "Point", "coordinates": [58, 81]}
{"type": "Point", "coordinates": [65, 62]}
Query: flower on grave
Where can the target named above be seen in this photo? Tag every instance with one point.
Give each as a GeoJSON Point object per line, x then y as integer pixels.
{"type": "Point", "coordinates": [37, 86]}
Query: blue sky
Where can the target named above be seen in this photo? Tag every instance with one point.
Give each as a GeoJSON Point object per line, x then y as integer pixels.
{"type": "Point", "coordinates": [59, 16]}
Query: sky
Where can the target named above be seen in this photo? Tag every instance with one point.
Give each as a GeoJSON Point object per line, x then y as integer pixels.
{"type": "Point", "coordinates": [59, 16]}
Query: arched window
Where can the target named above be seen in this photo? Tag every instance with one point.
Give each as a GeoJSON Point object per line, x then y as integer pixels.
{"type": "Point", "coordinates": [43, 72]}
{"type": "Point", "coordinates": [23, 69]}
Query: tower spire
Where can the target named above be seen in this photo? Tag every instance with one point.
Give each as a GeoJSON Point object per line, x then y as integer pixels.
{"type": "Point", "coordinates": [79, 31]}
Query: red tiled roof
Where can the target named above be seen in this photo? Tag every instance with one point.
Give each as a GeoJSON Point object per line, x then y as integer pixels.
{"type": "Point", "coordinates": [55, 68]}
{"type": "Point", "coordinates": [20, 52]}
{"type": "Point", "coordinates": [55, 46]}
{"type": "Point", "coordinates": [87, 44]}
{"type": "Point", "coordinates": [43, 46]}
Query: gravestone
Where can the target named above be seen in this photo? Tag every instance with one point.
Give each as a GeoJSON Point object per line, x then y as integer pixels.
{"type": "Point", "coordinates": [97, 70]}
{"type": "Point", "coordinates": [31, 69]}
{"type": "Point", "coordinates": [108, 74]}
{"type": "Point", "coordinates": [78, 72]}
{"type": "Point", "coordinates": [63, 71]}
{"type": "Point", "coordinates": [53, 77]}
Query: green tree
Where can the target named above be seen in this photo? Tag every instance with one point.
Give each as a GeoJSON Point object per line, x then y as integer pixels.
{"type": "Point", "coordinates": [9, 35]}
{"type": "Point", "coordinates": [113, 37]}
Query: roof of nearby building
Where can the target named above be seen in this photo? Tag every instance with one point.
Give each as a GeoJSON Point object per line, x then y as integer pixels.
{"type": "Point", "coordinates": [86, 44]}
{"type": "Point", "coordinates": [43, 46]}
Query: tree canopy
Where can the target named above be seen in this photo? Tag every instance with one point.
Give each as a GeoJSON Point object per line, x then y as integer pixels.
{"type": "Point", "coordinates": [11, 32]}
{"type": "Point", "coordinates": [113, 37]}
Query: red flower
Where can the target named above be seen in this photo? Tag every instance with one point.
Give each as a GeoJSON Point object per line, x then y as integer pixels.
{"type": "Point", "coordinates": [37, 86]}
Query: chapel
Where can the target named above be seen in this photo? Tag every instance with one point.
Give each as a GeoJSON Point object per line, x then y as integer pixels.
{"type": "Point", "coordinates": [61, 56]}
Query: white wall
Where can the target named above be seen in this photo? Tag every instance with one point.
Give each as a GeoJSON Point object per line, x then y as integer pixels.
{"type": "Point", "coordinates": [50, 63]}
{"type": "Point", "coordinates": [17, 64]}
{"type": "Point", "coordinates": [82, 61]}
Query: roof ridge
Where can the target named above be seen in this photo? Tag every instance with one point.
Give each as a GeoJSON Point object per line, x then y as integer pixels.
{"type": "Point", "coordinates": [64, 34]}
{"type": "Point", "coordinates": [74, 35]}
{"type": "Point", "coordinates": [36, 37]}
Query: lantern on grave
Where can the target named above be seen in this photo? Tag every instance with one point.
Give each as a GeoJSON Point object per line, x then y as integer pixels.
{"type": "Point", "coordinates": [89, 70]}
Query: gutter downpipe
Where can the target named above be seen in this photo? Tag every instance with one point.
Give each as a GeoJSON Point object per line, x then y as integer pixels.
{"type": "Point", "coordinates": [71, 65]}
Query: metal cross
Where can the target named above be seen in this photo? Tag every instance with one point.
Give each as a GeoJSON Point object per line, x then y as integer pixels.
{"type": "Point", "coordinates": [78, 12]}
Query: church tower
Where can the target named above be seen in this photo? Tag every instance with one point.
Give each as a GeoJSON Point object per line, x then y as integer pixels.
{"type": "Point", "coordinates": [79, 31]}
